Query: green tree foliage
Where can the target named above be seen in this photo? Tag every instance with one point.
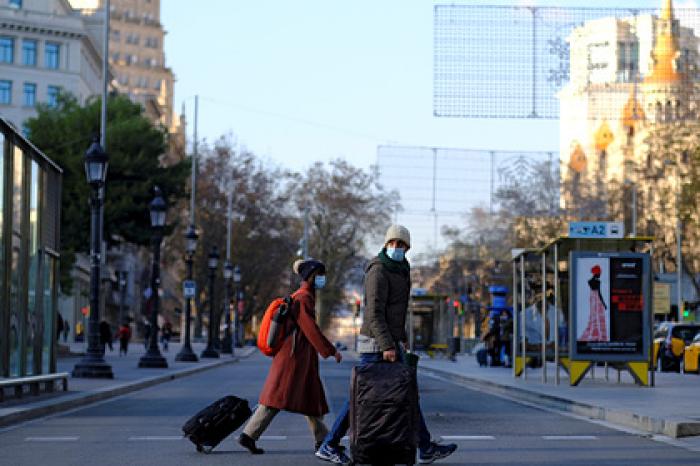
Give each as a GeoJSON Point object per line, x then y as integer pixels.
{"type": "Point", "coordinates": [134, 145]}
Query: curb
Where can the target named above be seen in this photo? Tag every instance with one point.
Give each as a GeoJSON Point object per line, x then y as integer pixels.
{"type": "Point", "coordinates": [82, 399]}
{"type": "Point", "coordinates": [675, 428]}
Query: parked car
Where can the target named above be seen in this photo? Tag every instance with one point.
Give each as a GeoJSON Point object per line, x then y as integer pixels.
{"type": "Point", "coordinates": [691, 356]}
{"type": "Point", "coordinates": [670, 340]}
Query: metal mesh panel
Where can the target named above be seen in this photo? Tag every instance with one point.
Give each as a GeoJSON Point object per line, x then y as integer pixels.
{"type": "Point", "coordinates": [512, 62]}
{"type": "Point", "coordinates": [439, 186]}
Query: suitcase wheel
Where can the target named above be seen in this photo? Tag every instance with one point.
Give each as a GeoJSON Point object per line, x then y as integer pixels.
{"type": "Point", "coordinates": [206, 449]}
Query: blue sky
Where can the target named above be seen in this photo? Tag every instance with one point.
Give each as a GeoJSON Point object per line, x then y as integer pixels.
{"type": "Point", "coordinates": [315, 79]}
{"type": "Point", "coordinates": [307, 80]}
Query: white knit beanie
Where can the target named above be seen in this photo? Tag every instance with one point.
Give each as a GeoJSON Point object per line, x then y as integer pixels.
{"type": "Point", "coordinates": [398, 232]}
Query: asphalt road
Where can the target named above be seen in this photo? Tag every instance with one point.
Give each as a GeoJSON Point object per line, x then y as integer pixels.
{"type": "Point", "coordinates": [143, 428]}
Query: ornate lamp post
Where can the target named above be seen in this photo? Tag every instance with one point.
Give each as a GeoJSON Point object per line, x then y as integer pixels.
{"type": "Point", "coordinates": [153, 358]}
{"type": "Point", "coordinates": [228, 275]}
{"type": "Point", "coordinates": [186, 354]}
{"type": "Point", "coordinates": [93, 364]}
{"type": "Point", "coordinates": [237, 282]}
{"type": "Point", "coordinates": [212, 264]}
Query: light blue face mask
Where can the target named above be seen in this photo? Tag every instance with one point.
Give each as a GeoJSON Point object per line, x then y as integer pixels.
{"type": "Point", "coordinates": [396, 254]}
{"type": "Point", "coordinates": [319, 281]}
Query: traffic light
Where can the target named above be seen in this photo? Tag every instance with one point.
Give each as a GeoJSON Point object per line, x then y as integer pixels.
{"type": "Point", "coordinates": [686, 310]}
{"type": "Point", "coordinates": [358, 303]}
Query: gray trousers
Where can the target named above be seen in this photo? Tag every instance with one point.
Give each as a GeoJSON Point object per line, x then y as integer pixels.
{"type": "Point", "coordinates": [263, 416]}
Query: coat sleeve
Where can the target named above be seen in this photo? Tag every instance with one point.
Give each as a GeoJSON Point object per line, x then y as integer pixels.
{"type": "Point", "coordinates": [377, 295]}
{"type": "Point", "coordinates": [307, 325]}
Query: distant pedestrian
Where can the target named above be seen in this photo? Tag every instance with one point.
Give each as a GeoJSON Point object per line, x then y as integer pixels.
{"type": "Point", "coordinates": [387, 285]}
{"type": "Point", "coordinates": [165, 335]}
{"type": "Point", "coordinates": [106, 336]}
{"type": "Point", "coordinates": [124, 335]}
{"type": "Point", "coordinates": [293, 383]}
{"type": "Point", "coordinates": [66, 330]}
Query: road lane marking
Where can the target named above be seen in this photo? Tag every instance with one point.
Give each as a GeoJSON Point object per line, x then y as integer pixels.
{"type": "Point", "coordinates": [570, 437]}
{"type": "Point", "coordinates": [51, 439]}
{"type": "Point", "coordinates": [156, 438]}
{"type": "Point", "coordinates": [467, 437]}
{"type": "Point", "coordinates": [273, 437]}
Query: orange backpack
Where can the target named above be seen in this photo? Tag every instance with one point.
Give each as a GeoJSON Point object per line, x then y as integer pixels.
{"type": "Point", "coordinates": [273, 329]}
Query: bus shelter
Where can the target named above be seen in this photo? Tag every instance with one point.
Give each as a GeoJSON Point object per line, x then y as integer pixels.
{"type": "Point", "coordinates": [558, 291]}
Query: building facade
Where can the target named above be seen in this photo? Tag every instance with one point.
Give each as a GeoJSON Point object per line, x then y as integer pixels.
{"type": "Point", "coordinates": [29, 252]}
{"type": "Point", "coordinates": [45, 46]}
{"type": "Point", "coordinates": [630, 118]}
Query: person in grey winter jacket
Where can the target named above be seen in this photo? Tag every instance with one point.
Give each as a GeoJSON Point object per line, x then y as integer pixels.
{"type": "Point", "coordinates": [383, 336]}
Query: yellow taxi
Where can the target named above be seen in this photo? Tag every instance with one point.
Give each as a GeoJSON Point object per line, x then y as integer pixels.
{"type": "Point", "coordinates": [670, 340]}
{"type": "Point", "coordinates": [691, 355]}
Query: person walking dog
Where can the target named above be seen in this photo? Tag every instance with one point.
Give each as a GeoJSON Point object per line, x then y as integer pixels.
{"type": "Point", "coordinates": [293, 383]}
{"type": "Point", "coordinates": [383, 336]}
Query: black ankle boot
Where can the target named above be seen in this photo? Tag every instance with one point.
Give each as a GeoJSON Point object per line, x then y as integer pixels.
{"type": "Point", "coordinates": [247, 442]}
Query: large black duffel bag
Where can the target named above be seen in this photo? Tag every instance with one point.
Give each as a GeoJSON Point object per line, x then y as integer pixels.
{"type": "Point", "coordinates": [211, 425]}
{"type": "Point", "coordinates": [384, 414]}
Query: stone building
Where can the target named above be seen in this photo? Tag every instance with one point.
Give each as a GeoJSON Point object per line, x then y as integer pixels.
{"type": "Point", "coordinates": [45, 46]}
{"type": "Point", "coordinates": [629, 125]}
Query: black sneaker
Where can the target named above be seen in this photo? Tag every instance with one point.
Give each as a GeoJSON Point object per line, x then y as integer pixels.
{"type": "Point", "coordinates": [435, 452]}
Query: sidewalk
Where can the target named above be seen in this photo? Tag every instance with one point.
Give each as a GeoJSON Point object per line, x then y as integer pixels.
{"type": "Point", "coordinates": [671, 407]}
{"type": "Point", "coordinates": [128, 377]}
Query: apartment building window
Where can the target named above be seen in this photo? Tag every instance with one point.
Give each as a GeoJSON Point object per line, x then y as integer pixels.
{"type": "Point", "coordinates": [133, 39]}
{"type": "Point", "coordinates": [115, 57]}
{"type": "Point", "coordinates": [132, 59]}
{"type": "Point", "coordinates": [29, 94]}
{"type": "Point", "coordinates": [124, 80]}
{"type": "Point", "coordinates": [52, 55]}
{"type": "Point", "coordinates": [142, 81]}
{"type": "Point", "coordinates": [157, 84]}
{"type": "Point", "coordinates": [115, 35]}
{"type": "Point", "coordinates": [16, 3]}
{"type": "Point", "coordinates": [29, 52]}
{"type": "Point", "coordinates": [152, 42]}
{"type": "Point", "coordinates": [52, 95]}
{"type": "Point", "coordinates": [5, 92]}
{"type": "Point", "coordinates": [7, 50]}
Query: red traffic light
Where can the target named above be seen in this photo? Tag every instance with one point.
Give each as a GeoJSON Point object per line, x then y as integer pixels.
{"type": "Point", "coordinates": [456, 303]}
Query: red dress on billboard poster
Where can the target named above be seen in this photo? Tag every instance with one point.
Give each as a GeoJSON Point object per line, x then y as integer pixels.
{"type": "Point", "coordinates": [596, 330]}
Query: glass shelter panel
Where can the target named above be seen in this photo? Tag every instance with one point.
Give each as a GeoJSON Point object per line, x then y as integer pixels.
{"type": "Point", "coordinates": [33, 316]}
{"type": "Point", "coordinates": [3, 307]}
{"type": "Point", "coordinates": [48, 279]}
{"type": "Point", "coordinates": [17, 265]}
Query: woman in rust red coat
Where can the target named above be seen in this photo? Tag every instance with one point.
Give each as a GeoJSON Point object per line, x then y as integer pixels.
{"type": "Point", "coordinates": [293, 383]}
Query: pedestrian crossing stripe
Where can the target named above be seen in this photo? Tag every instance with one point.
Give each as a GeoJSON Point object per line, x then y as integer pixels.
{"type": "Point", "coordinates": [467, 437]}
{"type": "Point", "coordinates": [51, 439]}
{"type": "Point", "coordinates": [273, 437]}
{"type": "Point", "coordinates": [570, 437]}
{"type": "Point", "coordinates": [155, 438]}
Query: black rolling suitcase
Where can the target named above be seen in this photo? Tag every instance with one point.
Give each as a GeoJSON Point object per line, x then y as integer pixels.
{"type": "Point", "coordinates": [210, 426]}
{"type": "Point", "coordinates": [384, 414]}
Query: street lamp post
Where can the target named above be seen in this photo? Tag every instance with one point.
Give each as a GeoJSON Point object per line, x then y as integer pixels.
{"type": "Point", "coordinates": [237, 282]}
{"type": "Point", "coordinates": [153, 358]}
{"type": "Point", "coordinates": [212, 264]}
{"type": "Point", "coordinates": [186, 354]}
{"type": "Point", "coordinates": [93, 364]}
{"type": "Point", "coordinates": [228, 275]}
